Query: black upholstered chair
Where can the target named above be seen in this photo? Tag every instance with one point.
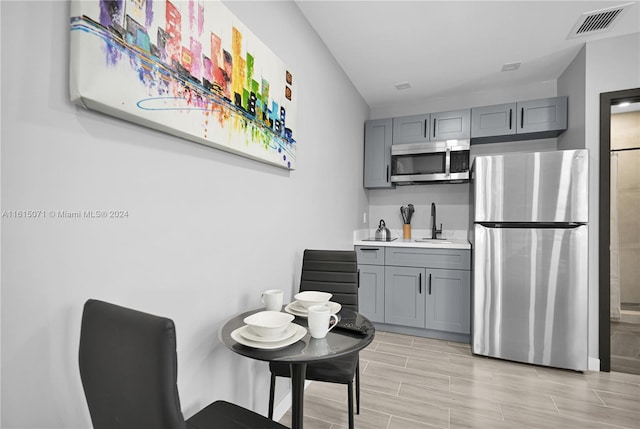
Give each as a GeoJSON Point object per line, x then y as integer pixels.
{"type": "Point", "coordinates": [334, 271]}
{"type": "Point", "coordinates": [128, 367]}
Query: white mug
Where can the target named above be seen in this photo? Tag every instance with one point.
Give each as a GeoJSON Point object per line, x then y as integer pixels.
{"type": "Point", "coordinates": [318, 320]}
{"type": "Point", "coordinates": [272, 299]}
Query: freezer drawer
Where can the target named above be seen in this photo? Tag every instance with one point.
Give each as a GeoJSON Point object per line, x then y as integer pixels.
{"type": "Point", "coordinates": [532, 187]}
{"type": "Point", "coordinates": [530, 297]}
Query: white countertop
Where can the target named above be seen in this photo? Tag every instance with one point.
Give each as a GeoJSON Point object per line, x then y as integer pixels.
{"type": "Point", "coordinates": [450, 239]}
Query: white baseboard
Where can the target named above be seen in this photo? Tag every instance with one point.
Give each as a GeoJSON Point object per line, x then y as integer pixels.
{"type": "Point", "coordinates": [283, 406]}
{"type": "Point", "coordinates": [593, 364]}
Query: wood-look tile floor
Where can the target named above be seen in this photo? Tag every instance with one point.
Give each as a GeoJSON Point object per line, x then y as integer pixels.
{"type": "Point", "coordinates": [413, 383]}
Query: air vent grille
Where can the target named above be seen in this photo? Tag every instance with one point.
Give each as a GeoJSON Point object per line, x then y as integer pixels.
{"type": "Point", "coordinates": [598, 21]}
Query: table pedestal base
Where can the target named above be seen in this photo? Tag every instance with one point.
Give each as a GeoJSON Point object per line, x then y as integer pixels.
{"type": "Point", "coordinates": [298, 372]}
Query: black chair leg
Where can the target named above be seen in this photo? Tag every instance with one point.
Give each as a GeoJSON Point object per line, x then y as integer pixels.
{"type": "Point", "coordinates": [350, 402]}
{"type": "Point", "coordinates": [272, 394]}
{"type": "Point", "coordinates": [358, 389]}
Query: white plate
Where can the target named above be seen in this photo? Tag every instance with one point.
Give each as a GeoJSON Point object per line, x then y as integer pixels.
{"type": "Point", "coordinates": [297, 309]}
{"type": "Point", "coordinates": [298, 335]}
{"type": "Point", "coordinates": [250, 335]}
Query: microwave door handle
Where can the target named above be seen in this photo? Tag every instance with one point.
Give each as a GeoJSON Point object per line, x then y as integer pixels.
{"type": "Point", "coordinates": [447, 162]}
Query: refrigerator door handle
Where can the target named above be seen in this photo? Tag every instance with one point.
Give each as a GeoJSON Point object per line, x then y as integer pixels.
{"type": "Point", "coordinates": [532, 225]}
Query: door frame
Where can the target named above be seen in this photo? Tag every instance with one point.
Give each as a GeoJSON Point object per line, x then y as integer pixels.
{"type": "Point", "coordinates": [607, 99]}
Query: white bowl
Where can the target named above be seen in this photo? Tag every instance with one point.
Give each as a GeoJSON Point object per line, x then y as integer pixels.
{"type": "Point", "coordinates": [310, 297]}
{"type": "Point", "coordinates": [269, 324]}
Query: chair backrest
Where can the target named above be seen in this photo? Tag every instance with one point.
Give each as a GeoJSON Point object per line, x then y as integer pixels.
{"type": "Point", "coordinates": [128, 367]}
{"type": "Point", "coordinates": [334, 271]}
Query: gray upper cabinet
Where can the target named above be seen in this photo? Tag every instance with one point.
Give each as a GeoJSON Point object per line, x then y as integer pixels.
{"type": "Point", "coordinates": [524, 120]}
{"type": "Point", "coordinates": [455, 124]}
{"type": "Point", "coordinates": [498, 120]}
{"type": "Point", "coordinates": [544, 115]}
{"type": "Point", "coordinates": [411, 129]}
{"type": "Point", "coordinates": [377, 153]}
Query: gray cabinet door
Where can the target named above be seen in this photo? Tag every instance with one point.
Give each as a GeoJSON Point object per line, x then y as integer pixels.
{"type": "Point", "coordinates": [455, 124]}
{"type": "Point", "coordinates": [496, 120]}
{"type": "Point", "coordinates": [404, 301]}
{"type": "Point", "coordinates": [411, 129]}
{"type": "Point", "coordinates": [448, 300]}
{"type": "Point", "coordinates": [371, 292]}
{"type": "Point", "coordinates": [377, 153]}
{"type": "Point", "coordinates": [546, 114]}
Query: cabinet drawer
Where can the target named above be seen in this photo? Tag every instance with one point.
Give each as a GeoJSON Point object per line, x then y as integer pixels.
{"type": "Point", "coordinates": [370, 255]}
{"type": "Point", "coordinates": [456, 259]}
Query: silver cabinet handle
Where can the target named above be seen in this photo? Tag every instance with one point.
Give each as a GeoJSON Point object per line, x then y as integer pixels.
{"type": "Point", "coordinates": [447, 162]}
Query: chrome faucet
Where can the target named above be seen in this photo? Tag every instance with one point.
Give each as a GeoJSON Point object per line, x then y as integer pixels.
{"type": "Point", "coordinates": [434, 229]}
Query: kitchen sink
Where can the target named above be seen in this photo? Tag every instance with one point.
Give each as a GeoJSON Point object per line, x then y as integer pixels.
{"type": "Point", "coordinates": [433, 240]}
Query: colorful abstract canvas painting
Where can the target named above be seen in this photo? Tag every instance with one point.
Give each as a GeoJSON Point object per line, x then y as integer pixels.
{"type": "Point", "coordinates": [189, 68]}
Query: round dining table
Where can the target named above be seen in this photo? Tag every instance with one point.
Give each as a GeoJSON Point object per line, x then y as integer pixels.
{"type": "Point", "coordinates": [339, 342]}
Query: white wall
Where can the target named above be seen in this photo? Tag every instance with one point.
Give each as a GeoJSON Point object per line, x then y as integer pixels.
{"type": "Point", "coordinates": [207, 231]}
{"type": "Point", "coordinates": [572, 83]}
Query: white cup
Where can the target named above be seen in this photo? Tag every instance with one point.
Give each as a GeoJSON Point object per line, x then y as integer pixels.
{"type": "Point", "coordinates": [318, 320]}
{"type": "Point", "coordinates": [272, 299]}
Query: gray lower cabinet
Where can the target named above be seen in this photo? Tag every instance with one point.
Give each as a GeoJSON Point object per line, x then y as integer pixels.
{"type": "Point", "coordinates": [448, 301]}
{"type": "Point", "coordinates": [371, 292]}
{"type": "Point", "coordinates": [404, 301]}
{"type": "Point", "coordinates": [416, 287]}
{"type": "Point", "coordinates": [377, 153]}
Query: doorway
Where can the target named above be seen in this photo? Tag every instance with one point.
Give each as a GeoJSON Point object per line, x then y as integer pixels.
{"type": "Point", "coordinates": [619, 234]}
{"type": "Point", "coordinates": [625, 237]}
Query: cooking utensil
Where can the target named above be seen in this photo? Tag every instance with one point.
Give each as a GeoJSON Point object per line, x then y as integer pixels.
{"type": "Point", "coordinates": [383, 233]}
{"type": "Point", "coordinates": [407, 212]}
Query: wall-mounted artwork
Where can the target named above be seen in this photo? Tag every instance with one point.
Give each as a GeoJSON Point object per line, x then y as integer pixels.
{"type": "Point", "coordinates": [188, 68]}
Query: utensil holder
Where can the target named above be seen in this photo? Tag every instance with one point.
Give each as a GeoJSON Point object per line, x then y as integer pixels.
{"type": "Point", "coordinates": [406, 231]}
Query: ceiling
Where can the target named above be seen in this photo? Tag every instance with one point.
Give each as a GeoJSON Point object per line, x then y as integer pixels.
{"type": "Point", "coordinates": [446, 48]}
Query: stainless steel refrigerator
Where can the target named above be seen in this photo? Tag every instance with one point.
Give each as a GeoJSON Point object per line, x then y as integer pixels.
{"type": "Point", "coordinates": [530, 261]}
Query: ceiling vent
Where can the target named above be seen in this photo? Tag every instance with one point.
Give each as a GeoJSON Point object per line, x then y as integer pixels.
{"type": "Point", "coordinates": [598, 21]}
{"type": "Point", "coordinates": [402, 85]}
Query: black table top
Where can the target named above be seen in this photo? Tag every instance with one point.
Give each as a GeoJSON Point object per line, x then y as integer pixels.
{"type": "Point", "coordinates": [338, 342]}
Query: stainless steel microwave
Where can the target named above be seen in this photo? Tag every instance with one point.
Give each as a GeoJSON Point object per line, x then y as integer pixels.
{"type": "Point", "coordinates": [440, 161]}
